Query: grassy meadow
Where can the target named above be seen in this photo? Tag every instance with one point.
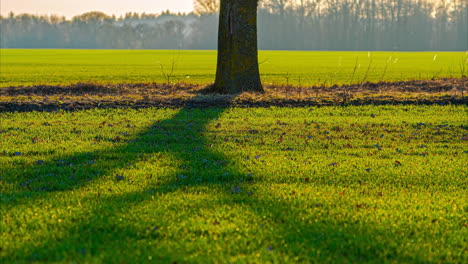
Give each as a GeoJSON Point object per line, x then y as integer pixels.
{"type": "Point", "coordinates": [299, 68]}
{"type": "Point", "coordinates": [367, 184]}
{"type": "Point", "coordinates": [223, 184]}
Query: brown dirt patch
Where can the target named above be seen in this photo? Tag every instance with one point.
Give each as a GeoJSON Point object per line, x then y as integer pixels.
{"type": "Point", "coordinates": [88, 95]}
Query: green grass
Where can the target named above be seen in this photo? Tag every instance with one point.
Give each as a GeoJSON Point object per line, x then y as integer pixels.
{"type": "Point", "coordinates": [32, 67]}
{"type": "Point", "coordinates": [331, 184]}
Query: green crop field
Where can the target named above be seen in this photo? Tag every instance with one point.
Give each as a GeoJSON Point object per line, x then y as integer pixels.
{"type": "Point", "coordinates": [32, 67]}
{"type": "Point", "coordinates": [379, 184]}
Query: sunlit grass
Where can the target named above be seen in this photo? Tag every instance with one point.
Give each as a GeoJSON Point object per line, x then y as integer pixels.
{"type": "Point", "coordinates": [300, 68]}
{"type": "Point", "coordinates": [331, 184]}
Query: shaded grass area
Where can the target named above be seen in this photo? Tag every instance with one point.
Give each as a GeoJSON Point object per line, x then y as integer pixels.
{"type": "Point", "coordinates": [297, 68]}
{"type": "Point", "coordinates": [329, 184]}
{"type": "Point", "coordinates": [143, 95]}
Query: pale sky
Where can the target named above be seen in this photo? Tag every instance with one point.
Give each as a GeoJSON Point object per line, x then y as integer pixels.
{"type": "Point", "coordinates": [70, 8]}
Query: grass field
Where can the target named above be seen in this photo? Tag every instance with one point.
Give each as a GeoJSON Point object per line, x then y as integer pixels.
{"type": "Point", "coordinates": [223, 184]}
{"type": "Point", "coordinates": [32, 67]}
{"type": "Point", "coordinates": [257, 185]}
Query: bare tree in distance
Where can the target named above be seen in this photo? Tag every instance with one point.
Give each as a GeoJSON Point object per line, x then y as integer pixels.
{"type": "Point", "coordinates": [277, 6]}
{"type": "Point", "coordinates": [206, 6]}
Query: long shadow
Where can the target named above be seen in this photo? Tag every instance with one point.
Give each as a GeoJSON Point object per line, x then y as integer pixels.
{"type": "Point", "coordinates": [168, 137]}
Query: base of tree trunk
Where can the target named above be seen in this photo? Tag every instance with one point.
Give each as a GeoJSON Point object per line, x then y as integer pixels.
{"type": "Point", "coordinates": [214, 89]}
{"type": "Point", "coordinates": [237, 69]}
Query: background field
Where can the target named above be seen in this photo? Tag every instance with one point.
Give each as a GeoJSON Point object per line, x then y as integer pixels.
{"type": "Point", "coordinates": [32, 67]}
{"type": "Point", "coordinates": [281, 185]}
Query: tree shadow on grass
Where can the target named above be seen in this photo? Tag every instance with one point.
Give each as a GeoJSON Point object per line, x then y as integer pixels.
{"type": "Point", "coordinates": [211, 185]}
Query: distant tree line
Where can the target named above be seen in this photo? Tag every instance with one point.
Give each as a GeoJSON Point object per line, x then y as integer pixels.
{"type": "Point", "coordinates": [283, 25]}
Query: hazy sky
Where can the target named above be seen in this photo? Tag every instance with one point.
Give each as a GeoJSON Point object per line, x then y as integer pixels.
{"type": "Point", "coordinates": [70, 8]}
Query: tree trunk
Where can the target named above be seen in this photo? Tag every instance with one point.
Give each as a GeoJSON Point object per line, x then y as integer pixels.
{"type": "Point", "coordinates": [237, 69]}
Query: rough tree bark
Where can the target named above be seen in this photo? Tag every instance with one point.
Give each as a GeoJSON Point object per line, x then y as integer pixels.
{"type": "Point", "coordinates": [237, 68]}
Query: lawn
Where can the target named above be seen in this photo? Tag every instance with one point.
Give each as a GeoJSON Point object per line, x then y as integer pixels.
{"type": "Point", "coordinates": [375, 184]}
{"type": "Point", "coordinates": [299, 68]}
